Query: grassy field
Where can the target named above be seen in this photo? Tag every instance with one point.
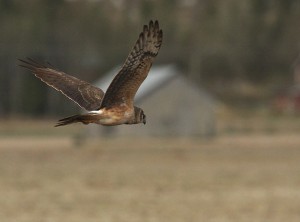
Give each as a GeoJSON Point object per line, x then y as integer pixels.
{"type": "Point", "coordinates": [230, 178]}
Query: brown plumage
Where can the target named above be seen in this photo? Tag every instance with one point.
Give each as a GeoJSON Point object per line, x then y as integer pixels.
{"type": "Point", "coordinates": [116, 105]}
{"type": "Point", "coordinates": [83, 93]}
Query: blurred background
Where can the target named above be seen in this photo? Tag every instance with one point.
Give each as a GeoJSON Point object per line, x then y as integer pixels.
{"type": "Point", "coordinates": [222, 104]}
{"type": "Point", "coordinates": [242, 54]}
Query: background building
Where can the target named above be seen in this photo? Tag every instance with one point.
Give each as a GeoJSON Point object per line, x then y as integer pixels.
{"type": "Point", "coordinates": [174, 106]}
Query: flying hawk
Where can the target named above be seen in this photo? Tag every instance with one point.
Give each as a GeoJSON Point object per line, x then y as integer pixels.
{"type": "Point", "coordinates": [116, 106]}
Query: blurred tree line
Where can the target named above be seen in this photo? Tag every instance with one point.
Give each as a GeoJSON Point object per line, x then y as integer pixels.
{"type": "Point", "coordinates": [217, 43]}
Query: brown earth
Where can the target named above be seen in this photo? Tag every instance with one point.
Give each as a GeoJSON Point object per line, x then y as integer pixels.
{"type": "Point", "coordinates": [232, 178]}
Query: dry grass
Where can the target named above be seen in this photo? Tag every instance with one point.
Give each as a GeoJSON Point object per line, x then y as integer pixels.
{"type": "Point", "coordinates": [240, 178]}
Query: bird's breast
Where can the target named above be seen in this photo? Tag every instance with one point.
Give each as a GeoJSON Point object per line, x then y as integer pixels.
{"type": "Point", "coordinates": [115, 116]}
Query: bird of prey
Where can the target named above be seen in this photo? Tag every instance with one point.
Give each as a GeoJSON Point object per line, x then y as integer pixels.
{"type": "Point", "coordinates": [116, 106]}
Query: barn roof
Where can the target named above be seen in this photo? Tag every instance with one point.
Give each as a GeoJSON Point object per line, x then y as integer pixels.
{"type": "Point", "coordinates": [157, 76]}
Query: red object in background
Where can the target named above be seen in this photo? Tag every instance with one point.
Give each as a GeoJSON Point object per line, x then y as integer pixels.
{"type": "Point", "coordinates": [287, 100]}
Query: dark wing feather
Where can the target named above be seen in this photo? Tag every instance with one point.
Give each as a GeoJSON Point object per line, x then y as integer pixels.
{"type": "Point", "coordinates": [83, 93]}
{"type": "Point", "coordinates": [135, 69]}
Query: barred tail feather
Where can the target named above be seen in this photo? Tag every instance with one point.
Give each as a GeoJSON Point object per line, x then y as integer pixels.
{"type": "Point", "coordinates": [85, 119]}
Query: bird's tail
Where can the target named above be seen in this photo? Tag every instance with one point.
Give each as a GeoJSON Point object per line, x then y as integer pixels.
{"type": "Point", "coordinates": [85, 119]}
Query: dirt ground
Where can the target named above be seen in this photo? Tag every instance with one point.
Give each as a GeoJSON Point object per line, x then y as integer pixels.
{"type": "Point", "coordinates": [231, 178]}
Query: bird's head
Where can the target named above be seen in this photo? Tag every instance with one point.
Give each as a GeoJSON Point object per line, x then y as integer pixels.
{"type": "Point", "coordinates": [140, 116]}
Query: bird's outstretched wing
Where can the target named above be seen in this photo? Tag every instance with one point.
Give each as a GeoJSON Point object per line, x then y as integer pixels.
{"type": "Point", "coordinates": [83, 93]}
{"type": "Point", "coordinates": [135, 69]}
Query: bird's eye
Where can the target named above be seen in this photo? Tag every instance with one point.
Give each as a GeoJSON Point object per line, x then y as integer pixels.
{"type": "Point", "coordinates": [144, 118]}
